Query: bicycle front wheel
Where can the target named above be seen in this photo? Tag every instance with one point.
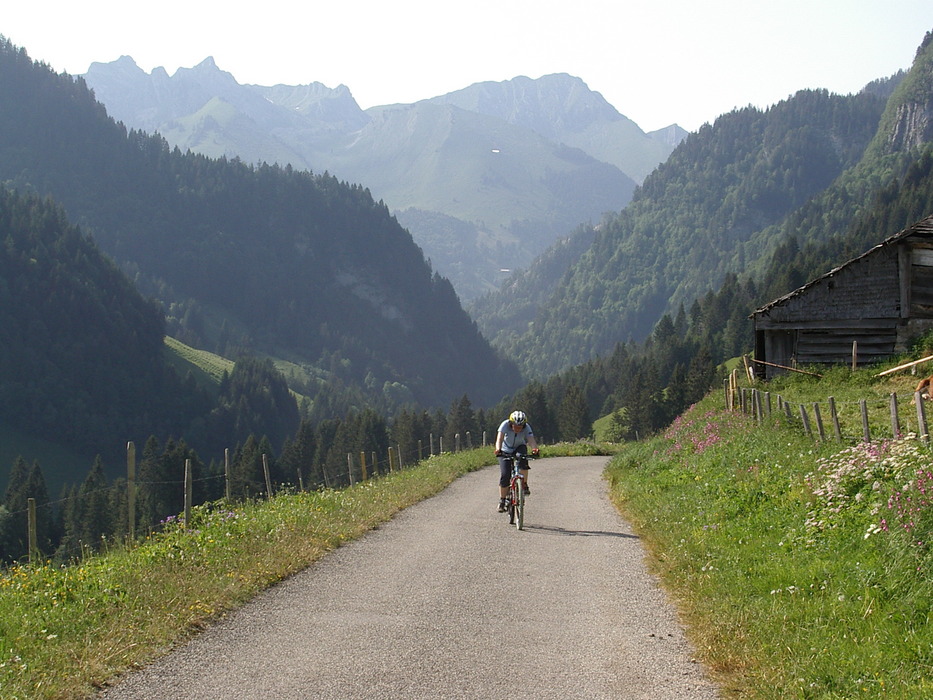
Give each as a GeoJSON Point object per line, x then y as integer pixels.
{"type": "Point", "coordinates": [520, 504]}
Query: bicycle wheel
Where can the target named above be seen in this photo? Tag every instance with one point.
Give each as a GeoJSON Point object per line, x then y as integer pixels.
{"type": "Point", "coordinates": [520, 503]}
{"type": "Point", "coordinates": [510, 506]}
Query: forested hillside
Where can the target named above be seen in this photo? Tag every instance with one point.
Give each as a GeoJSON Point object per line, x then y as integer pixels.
{"type": "Point", "coordinates": [80, 350]}
{"type": "Point", "coordinates": [693, 221]}
{"type": "Point", "coordinates": [263, 260]}
{"type": "Point", "coordinates": [644, 385]}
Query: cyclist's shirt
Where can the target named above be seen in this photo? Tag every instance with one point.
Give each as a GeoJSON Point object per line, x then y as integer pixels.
{"type": "Point", "coordinates": [511, 439]}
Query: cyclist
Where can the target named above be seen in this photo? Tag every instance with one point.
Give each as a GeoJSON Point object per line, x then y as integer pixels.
{"type": "Point", "coordinates": [514, 438]}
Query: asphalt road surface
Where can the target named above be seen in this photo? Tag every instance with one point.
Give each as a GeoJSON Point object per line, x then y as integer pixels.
{"type": "Point", "coordinates": [449, 601]}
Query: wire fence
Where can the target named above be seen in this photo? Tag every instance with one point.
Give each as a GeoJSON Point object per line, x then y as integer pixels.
{"type": "Point", "coordinates": [123, 494]}
{"type": "Point", "coordinates": [828, 419]}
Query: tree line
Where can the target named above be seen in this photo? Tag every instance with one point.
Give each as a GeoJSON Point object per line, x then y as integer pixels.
{"type": "Point", "coordinates": [88, 515]}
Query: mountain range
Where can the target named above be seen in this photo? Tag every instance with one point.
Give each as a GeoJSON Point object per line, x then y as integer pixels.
{"type": "Point", "coordinates": [492, 174]}
{"type": "Point", "coordinates": [265, 260]}
{"type": "Point", "coordinates": [318, 274]}
{"type": "Point", "coordinates": [797, 176]}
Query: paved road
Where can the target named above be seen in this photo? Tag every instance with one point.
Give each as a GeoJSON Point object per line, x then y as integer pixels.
{"type": "Point", "coordinates": [420, 608]}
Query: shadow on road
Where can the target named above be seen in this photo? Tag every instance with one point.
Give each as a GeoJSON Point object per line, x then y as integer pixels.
{"type": "Point", "coordinates": [549, 530]}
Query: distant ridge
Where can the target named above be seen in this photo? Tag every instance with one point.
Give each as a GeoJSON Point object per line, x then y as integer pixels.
{"type": "Point", "coordinates": [563, 109]}
{"type": "Point", "coordinates": [263, 260]}
{"type": "Point", "coordinates": [565, 155]}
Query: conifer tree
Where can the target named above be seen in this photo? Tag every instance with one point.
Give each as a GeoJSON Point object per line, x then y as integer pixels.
{"type": "Point", "coordinates": [573, 418]}
{"type": "Point", "coordinates": [460, 420]}
{"type": "Point", "coordinates": [298, 455]}
{"type": "Point", "coordinates": [533, 401]}
{"type": "Point", "coordinates": [13, 534]}
{"type": "Point", "coordinates": [35, 488]}
{"type": "Point", "coordinates": [246, 475]}
{"type": "Point", "coordinates": [96, 522]}
{"type": "Point", "coordinates": [25, 482]}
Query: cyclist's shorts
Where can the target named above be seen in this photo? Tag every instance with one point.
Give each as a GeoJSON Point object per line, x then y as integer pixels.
{"type": "Point", "coordinates": [505, 469]}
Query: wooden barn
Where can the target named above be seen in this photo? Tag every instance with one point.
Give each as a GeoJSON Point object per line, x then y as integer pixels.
{"type": "Point", "coordinates": [880, 300]}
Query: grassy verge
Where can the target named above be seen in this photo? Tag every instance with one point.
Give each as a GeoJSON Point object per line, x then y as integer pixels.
{"type": "Point", "coordinates": [65, 631]}
{"type": "Point", "coordinates": [802, 568]}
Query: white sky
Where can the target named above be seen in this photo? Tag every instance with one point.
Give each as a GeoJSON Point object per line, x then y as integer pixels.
{"type": "Point", "coordinates": [657, 62]}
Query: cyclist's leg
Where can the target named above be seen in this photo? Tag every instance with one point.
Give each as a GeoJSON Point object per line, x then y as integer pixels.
{"type": "Point", "coordinates": [505, 476]}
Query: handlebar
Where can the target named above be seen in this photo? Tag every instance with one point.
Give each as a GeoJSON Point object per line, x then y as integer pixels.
{"type": "Point", "coordinates": [513, 455]}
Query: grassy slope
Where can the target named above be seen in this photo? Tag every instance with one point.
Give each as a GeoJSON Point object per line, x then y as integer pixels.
{"type": "Point", "coordinates": [801, 568]}
{"type": "Point", "coordinates": [207, 368]}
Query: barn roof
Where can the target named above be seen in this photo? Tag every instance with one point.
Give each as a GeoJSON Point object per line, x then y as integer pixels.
{"type": "Point", "coordinates": [924, 227]}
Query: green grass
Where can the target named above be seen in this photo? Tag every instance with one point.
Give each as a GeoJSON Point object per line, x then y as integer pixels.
{"type": "Point", "coordinates": [802, 568]}
{"type": "Point", "coordinates": [207, 368]}
{"type": "Point", "coordinates": [65, 631]}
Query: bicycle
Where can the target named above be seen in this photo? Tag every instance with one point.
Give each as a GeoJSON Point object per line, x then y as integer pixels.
{"type": "Point", "coordinates": [515, 503]}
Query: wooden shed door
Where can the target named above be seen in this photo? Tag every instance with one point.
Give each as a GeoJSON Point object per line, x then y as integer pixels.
{"type": "Point", "coordinates": [921, 283]}
{"type": "Point", "coordinates": [780, 349]}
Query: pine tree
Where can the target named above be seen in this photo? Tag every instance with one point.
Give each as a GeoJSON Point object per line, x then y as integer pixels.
{"type": "Point", "coordinates": [246, 475]}
{"type": "Point", "coordinates": [13, 534]}
{"type": "Point", "coordinates": [25, 482]}
{"type": "Point", "coordinates": [461, 420]}
{"type": "Point", "coordinates": [573, 417]}
{"type": "Point", "coordinates": [36, 489]}
{"type": "Point", "coordinates": [94, 497]}
{"type": "Point", "coordinates": [298, 455]}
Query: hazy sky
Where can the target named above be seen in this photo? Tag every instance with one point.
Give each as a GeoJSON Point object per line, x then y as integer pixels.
{"type": "Point", "coordinates": [657, 62]}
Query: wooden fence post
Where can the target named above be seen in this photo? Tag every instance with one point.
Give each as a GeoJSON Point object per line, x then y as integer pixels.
{"type": "Point", "coordinates": [819, 421]}
{"type": "Point", "coordinates": [806, 420]}
{"type": "Point", "coordinates": [391, 451]}
{"type": "Point", "coordinates": [866, 432]}
{"type": "Point", "coordinates": [228, 486]}
{"type": "Point", "coordinates": [131, 490]}
{"type": "Point", "coordinates": [922, 419]}
{"type": "Point", "coordinates": [854, 355]}
{"type": "Point", "coordinates": [189, 490]}
{"type": "Point", "coordinates": [398, 456]}
{"type": "Point", "coordinates": [835, 416]}
{"type": "Point", "coordinates": [350, 467]}
{"type": "Point", "coordinates": [456, 442]}
{"type": "Point", "coordinates": [32, 531]}
{"type": "Point", "coordinates": [363, 465]}
{"type": "Point", "coordinates": [265, 471]}
{"type": "Point", "coordinates": [895, 423]}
